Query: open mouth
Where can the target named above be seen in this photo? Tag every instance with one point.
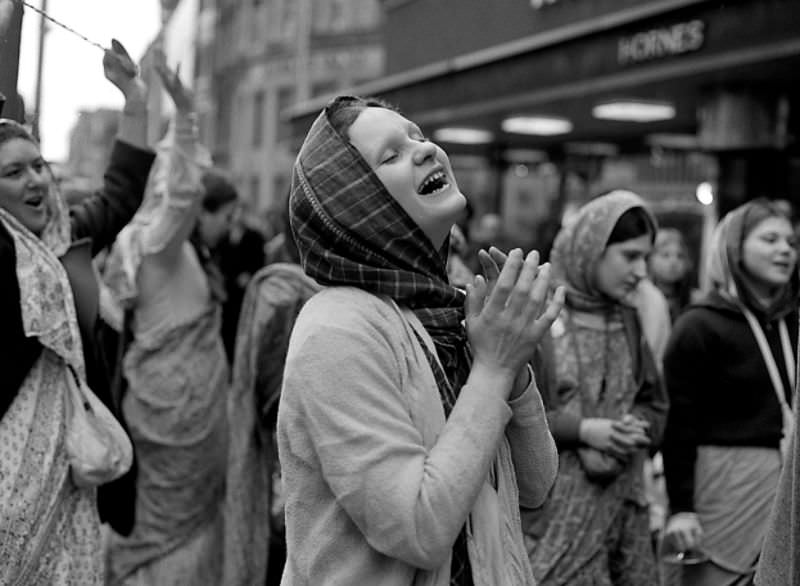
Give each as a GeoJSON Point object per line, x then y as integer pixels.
{"type": "Point", "coordinates": [35, 201]}
{"type": "Point", "coordinates": [434, 183]}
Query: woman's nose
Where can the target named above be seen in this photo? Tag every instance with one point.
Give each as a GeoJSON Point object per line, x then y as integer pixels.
{"type": "Point", "coordinates": [37, 176]}
{"type": "Point", "coordinates": [640, 268]}
{"type": "Point", "coordinates": [423, 151]}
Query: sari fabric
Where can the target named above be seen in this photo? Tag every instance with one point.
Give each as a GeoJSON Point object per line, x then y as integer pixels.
{"type": "Point", "coordinates": [49, 528]}
{"type": "Point", "coordinates": [177, 375]}
{"type": "Point", "coordinates": [588, 532]}
{"type": "Point", "coordinates": [254, 500]}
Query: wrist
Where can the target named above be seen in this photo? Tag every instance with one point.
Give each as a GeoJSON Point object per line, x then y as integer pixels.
{"type": "Point", "coordinates": [521, 382]}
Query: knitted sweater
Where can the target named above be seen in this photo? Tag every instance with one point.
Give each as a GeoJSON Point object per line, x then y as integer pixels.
{"type": "Point", "coordinates": [377, 485]}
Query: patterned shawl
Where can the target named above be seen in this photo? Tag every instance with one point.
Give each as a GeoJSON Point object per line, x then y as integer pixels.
{"type": "Point", "coordinates": [351, 232]}
{"type": "Point", "coordinates": [725, 267]}
{"type": "Point", "coordinates": [580, 245]}
{"type": "Point", "coordinates": [56, 530]}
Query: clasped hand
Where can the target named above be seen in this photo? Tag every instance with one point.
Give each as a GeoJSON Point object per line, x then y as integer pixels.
{"type": "Point", "coordinates": [617, 437]}
{"type": "Point", "coordinates": [508, 312]}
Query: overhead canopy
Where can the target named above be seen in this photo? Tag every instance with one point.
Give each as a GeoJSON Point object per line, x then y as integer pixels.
{"type": "Point", "coordinates": [682, 56]}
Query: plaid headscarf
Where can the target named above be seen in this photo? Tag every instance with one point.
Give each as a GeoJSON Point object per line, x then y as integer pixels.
{"type": "Point", "coordinates": [351, 232]}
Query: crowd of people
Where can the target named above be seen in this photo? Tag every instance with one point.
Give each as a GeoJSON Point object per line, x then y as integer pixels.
{"type": "Point", "coordinates": [377, 407]}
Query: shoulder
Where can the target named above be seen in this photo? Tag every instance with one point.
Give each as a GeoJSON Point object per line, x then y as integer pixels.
{"type": "Point", "coordinates": [349, 308]}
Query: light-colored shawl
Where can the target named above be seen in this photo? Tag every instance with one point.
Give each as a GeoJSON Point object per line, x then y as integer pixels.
{"type": "Point", "coordinates": [49, 528]}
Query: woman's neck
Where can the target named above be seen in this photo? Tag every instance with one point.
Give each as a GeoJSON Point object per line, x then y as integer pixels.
{"type": "Point", "coordinates": [764, 294]}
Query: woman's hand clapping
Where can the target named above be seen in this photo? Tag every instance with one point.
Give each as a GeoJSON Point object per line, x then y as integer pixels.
{"type": "Point", "coordinates": [508, 315]}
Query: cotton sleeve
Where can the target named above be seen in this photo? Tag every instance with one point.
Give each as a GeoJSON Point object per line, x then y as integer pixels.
{"type": "Point", "coordinates": [177, 187]}
{"type": "Point", "coordinates": [532, 447]}
{"type": "Point", "coordinates": [102, 215]}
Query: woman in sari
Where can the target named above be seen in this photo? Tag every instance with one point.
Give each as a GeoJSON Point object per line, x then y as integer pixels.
{"type": "Point", "coordinates": [407, 439]}
{"type": "Point", "coordinates": [176, 370]}
{"type": "Point", "coordinates": [49, 527]}
{"type": "Point", "coordinates": [729, 369]}
{"type": "Point", "coordinates": [606, 405]}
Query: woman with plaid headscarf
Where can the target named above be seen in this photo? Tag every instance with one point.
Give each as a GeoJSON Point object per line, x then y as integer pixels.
{"type": "Point", "coordinates": [407, 440]}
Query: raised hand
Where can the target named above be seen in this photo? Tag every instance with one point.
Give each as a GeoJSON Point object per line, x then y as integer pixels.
{"type": "Point", "coordinates": [120, 70]}
{"type": "Point", "coordinates": [182, 97]}
{"type": "Point", "coordinates": [505, 324]}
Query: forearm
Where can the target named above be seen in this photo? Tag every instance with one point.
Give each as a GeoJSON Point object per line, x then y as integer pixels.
{"type": "Point", "coordinates": [133, 120]}
{"type": "Point", "coordinates": [532, 448]}
{"type": "Point", "coordinates": [180, 179]}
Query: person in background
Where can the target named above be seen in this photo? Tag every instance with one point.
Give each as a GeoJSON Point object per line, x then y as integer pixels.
{"type": "Point", "coordinates": [729, 369]}
{"type": "Point", "coordinates": [407, 440]}
{"type": "Point", "coordinates": [49, 527]}
{"type": "Point", "coordinates": [176, 370]}
{"type": "Point", "coordinates": [606, 405]}
{"type": "Point", "coordinates": [255, 541]}
{"type": "Point", "coordinates": [669, 268]}
{"type": "Point", "coordinates": [240, 255]}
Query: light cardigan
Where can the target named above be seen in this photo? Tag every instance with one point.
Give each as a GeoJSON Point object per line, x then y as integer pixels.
{"type": "Point", "coordinates": [377, 486]}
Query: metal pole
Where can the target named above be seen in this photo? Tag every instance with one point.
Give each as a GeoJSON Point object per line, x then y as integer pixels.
{"type": "Point", "coordinates": [39, 68]}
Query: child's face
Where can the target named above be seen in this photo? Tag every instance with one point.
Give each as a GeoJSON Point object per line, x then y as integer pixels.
{"type": "Point", "coordinates": [668, 263]}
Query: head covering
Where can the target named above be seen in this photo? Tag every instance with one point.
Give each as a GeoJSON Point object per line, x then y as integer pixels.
{"type": "Point", "coordinates": [725, 268]}
{"type": "Point", "coordinates": [351, 232]}
{"type": "Point", "coordinates": [581, 243]}
{"type": "Point", "coordinates": [46, 301]}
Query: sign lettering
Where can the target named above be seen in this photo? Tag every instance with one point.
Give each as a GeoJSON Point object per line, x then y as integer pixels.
{"type": "Point", "coordinates": [684, 37]}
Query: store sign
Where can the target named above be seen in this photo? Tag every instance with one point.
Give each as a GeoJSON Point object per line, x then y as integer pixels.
{"type": "Point", "coordinates": [684, 37]}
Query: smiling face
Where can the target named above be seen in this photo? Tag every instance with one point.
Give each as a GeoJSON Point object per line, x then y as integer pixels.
{"type": "Point", "coordinates": [24, 183]}
{"type": "Point", "coordinates": [415, 171]}
{"type": "Point", "coordinates": [622, 266]}
{"type": "Point", "coordinates": [769, 253]}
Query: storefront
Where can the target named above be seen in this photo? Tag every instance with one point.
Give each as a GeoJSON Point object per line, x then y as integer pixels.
{"type": "Point", "coordinates": [544, 102]}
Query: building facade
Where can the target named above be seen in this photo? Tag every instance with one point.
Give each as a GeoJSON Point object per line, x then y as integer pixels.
{"type": "Point", "coordinates": [265, 55]}
{"type": "Point", "coordinates": [545, 103]}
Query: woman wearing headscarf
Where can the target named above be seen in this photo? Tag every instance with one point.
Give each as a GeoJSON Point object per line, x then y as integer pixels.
{"type": "Point", "coordinates": [49, 527]}
{"type": "Point", "coordinates": [176, 370]}
{"type": "Point", "coordinates": [729, 369]}
{"type": "Point", "coordinates": [605, 403]}
{"type": "Point", "coordinates": [407, 439]}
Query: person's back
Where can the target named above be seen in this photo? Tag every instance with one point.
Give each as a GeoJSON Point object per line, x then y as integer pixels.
{"type": "Point", "coordinates": [254, 533]}
{"type": "Point", "coordinates": [177, 375]}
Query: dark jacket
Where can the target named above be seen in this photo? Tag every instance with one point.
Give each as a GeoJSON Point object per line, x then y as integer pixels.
{"type": "Point", "coordinates": [95, 224]}
{"type": "Point", "coordinates": [720, 390]}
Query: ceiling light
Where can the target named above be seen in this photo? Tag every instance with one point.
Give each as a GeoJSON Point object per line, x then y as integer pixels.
{"type": "Point", "coordinates": [539, 125]}
{"type": "Point", "coordinates": [463, 135]}
{"type": "Point", "coordinates": [705, 193]}
{"type": "Point", "coordinates": [634, 111]}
